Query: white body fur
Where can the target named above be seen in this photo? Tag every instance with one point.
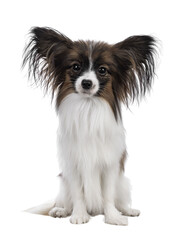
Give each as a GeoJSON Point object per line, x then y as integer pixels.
{"type": "Point", "coordinates": [91, 143]}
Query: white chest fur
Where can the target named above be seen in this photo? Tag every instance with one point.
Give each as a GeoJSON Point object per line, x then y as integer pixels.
{"type": "Point", "coordinates": [88, 132]}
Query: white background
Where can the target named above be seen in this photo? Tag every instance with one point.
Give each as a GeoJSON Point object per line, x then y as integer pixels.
{"type": "Point", "coordinates": [28, 164]}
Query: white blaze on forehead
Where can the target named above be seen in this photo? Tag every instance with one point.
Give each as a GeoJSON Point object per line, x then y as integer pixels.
{"type": "Point", "coordinates": [90, 55]}
{"type": "Point", "coordinates": [89, 75]}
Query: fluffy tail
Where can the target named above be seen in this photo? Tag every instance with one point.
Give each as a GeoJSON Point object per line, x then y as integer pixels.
{"type": "Point", "coordinates": [42, 209]}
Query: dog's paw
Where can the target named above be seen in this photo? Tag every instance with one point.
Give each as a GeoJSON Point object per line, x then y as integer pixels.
{"type": "Point", "coordinates": [134, 212]}
{"type": "Point", "coordinates": [79, 219]}
{"type": "Point", "coordinates": [116, 219]}
{"type": "Point", "coordinates": [131, 212]}
{"type": "Point", "coordinates": [58, 212]}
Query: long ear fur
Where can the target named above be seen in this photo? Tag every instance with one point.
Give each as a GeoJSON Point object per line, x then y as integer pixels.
{"type": "Point", "coordinates": [135, 61]}
{"type": "Point", "coordinates": [44, 55]}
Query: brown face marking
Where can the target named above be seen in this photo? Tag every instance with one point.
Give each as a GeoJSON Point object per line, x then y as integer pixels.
{"type": "Point", "coordinates": [66, 89]}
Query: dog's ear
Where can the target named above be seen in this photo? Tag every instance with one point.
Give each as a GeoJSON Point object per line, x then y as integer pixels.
{"type": "Point", "coordinates": [134, 59]}
{"type": "Point", "coordinates": [44, 55]}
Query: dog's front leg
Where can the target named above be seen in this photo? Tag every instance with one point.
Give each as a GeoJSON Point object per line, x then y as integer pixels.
{"type": "Point", "coordinates": [79, 213]}
{"type": "Point", "coordinates": [112, 215]}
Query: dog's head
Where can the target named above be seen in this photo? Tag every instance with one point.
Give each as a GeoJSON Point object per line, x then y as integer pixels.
{"type": "Point", "coordinates": [117, 73]}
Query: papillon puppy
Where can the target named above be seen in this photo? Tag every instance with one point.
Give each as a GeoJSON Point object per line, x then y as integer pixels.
{"type": "Point", "coordinates": [90, 81]}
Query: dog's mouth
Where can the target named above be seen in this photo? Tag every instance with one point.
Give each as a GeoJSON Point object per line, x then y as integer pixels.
{"type": "Point", "coordinates": [86, 92]}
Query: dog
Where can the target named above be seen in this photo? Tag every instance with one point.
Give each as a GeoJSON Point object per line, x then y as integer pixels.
{"type": "Point", "coordinates": [90, 81]}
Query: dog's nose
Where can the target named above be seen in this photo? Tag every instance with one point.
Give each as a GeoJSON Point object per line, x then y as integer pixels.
{"type": "Point", "coordinates": [86, 84]}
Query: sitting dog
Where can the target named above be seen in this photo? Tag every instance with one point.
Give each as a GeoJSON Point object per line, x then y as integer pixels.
{"type": "Point", "coordinates": [90, 81]}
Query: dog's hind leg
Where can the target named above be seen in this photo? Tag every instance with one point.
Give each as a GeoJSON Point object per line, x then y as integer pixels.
{"type": "Point", "coordinates": [63, 205]}
{"type": "Point", "coordinates": [123, 197]}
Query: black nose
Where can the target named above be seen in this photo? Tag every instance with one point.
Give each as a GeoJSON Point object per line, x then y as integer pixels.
{"type": "Point", "coordinates": [86, 84]}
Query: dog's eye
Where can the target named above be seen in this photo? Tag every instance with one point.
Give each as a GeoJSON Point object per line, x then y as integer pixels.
{"type": "Point", "coordinates": [76, 67]}
{"type": "Point", "coordinates": [102, 71]}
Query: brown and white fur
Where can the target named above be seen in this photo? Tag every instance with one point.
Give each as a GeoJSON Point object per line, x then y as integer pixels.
{"type": "Point", "coordinates": [90, 81]}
